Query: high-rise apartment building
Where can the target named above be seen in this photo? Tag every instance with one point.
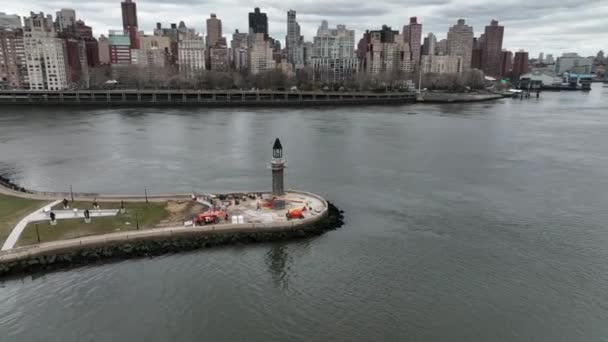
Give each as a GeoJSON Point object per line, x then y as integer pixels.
{"type": "Point", "coordinates": [258, 22]}
{"type": "Point", "coordinates": [218, 58]}
{"type": "Point", "coordinates": [506, 64]}
{"type": "Point", "coordinates": [492, 49]}
{"type": "Point", "coordinates": [477, 53]}
{"type": "Point", "coordinates": [460, 42]}
{"type": "Point", "coordinates": [260, 54]}
{"type": "Point", "coordinates": [549, 59]}
{"type": "Point", "coordinates": [442, 47]}
{"type": "Point", "coordinates": [520, 64]}
{"type": "Point", "coordinates": [191, 55]}
{"type": "Point", "coordinates": [66, 20]}
{"type": "Point", "coordinates": [541, 57]}
{"type": "Point", "coordinates": [429, 47]}
{"type": "Point", "coordinates": [441, 64]}
{"type": "Point", "coordinates": [412, 34]}
{"type": "Point", "coordinates": [154, 52]}
{"type": "Point", "coordinates": [333, 55]}
{"type": "Point", "coordinates": [10, 61]}
{"type": "Point", "coordinates": [239, 47]}
{"type": "Point", "coordinates": [293, 40]}
{"type": "Point", "coordinates": [77, 68]}
{"type": "Point", "coordinates": [214, 30]}
{"type": "Point", "coordinates": [384, 51]}
{"type": "Point", "coordinates": [129, 22]}
{"type": "Point", "coordinates": [10, 21]}
{"type": "Point", "coordinates": [174, 34]}
{"type": "Point", "coordinates": [44, 54]}
{"type": "Point", "coordinates": [119, 48]}
{"type": "Point", "coordinates": [103, 46]}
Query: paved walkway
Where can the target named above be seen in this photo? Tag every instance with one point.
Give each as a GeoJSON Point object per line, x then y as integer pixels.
{"type": "Point", "coordinates": [16, 232]}
{"type": "Point", "coordinates": [41, 215]}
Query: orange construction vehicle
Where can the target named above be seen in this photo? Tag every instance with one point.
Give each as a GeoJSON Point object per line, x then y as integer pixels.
{"type": "Point", "coordinates": [297, 213]}
{"type": "Point", "coordinates": [212, 216]}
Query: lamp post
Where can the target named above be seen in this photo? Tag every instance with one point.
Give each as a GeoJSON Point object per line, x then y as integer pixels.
{"type": "Point", "coordinates": [146, 194]}
{"type": "Point", "coordinates": [37, 233]}
{"type": "Point", "coordinates": [71, 193]}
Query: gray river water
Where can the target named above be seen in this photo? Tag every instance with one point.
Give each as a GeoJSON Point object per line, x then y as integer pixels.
{"type": "Point", "coordinates": [472, 222]}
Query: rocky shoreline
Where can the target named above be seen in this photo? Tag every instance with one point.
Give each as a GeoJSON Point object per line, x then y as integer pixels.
{"type": "Point", "coordinates": [154, 246]}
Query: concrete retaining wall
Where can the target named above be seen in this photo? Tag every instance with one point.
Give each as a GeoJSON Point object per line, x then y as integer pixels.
{"type": "Point", "coordinates": [154, 98]}
{"type": "Point", "coordinates": [456, 97]}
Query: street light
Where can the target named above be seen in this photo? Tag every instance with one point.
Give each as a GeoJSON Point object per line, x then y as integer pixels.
{"type": "Point", "coordinates": [37, 233]}
{"type": "Point", "coordinates": [146, 194]}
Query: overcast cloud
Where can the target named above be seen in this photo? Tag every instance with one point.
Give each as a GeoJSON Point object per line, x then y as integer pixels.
{"type": "Point", "coordinates": [549, 26]}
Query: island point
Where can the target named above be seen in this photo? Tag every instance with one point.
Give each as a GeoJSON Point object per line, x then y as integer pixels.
{"type": "Point", "coordinates": [43, 231]}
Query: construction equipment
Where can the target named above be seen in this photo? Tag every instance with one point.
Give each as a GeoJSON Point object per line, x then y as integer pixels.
{"type": "Point", "coordinates": [297, 213]}
{"type": "Point", "coordinates": [211, 216]}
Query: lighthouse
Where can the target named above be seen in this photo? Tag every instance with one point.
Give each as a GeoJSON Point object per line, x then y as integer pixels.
{"type": "Point", "coordinates": [277, 165]}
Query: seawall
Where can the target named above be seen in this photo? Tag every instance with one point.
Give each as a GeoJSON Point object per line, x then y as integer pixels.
{"type": "Point", "coordinates": [123, 245]}
{"type": "Point", "coordinates": [200, 98]}
{"type": "Point", "coordinates": [431, 97]}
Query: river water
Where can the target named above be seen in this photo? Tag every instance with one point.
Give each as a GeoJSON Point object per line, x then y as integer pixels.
{"type": "Point", "coordinates": [472, 222]}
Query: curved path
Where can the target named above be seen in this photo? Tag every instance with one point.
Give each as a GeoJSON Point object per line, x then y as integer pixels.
{"type": "Point", "coordinates": [16, 232]}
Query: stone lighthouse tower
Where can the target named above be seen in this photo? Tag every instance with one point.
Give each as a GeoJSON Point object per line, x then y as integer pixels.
{"type": "Point", "coordinates": [277, 165]}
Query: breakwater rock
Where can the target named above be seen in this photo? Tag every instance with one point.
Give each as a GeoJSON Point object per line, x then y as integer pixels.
{"type": "Point", "coordinates": [158, 245]}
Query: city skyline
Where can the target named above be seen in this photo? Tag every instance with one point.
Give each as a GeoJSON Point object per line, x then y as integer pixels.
{"type": "Point", "coordinates": [525, 27]}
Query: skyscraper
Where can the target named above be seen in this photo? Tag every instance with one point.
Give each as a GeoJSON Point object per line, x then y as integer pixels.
{"type": "Point", "coordinates": [66, 20]}
{"type": "Point", "coordinates": [129, 14]}
{"type": "Point", "coordinates": [412, 34]}
{"type": "Point", "coordinates": [129, 22]}
{"type": "Point", "coordinates": [214, 30]}
{"type": "Point", "coordinates": [541, 57]}
{"type": "Point", "coordinates": [460, 42]}
{"type": "Point", "coordinates": [492, 49]}
{"type": "Point", "coordinates": [293, 41]}
{"type": "Point", "coordinates": [430, 45]}
{"type": "Point", "coordinates": [520, 64]}
{"type": "Point", "coordinates": [258, 22]}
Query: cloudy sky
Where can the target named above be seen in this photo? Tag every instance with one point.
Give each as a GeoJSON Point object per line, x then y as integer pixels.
{"type": "Point", "coordinates": [550, 26]}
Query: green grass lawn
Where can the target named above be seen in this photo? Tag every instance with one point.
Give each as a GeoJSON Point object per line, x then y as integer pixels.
{"type": "Point", "coordinates": [13, 209]}
{"type": "Point", "coordinates": [148, 215]}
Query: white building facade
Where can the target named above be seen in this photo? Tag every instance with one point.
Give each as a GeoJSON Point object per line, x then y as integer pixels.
{"type": "Point", "coordinates": [44, 54]}
{"type": "Point", "coordinates": [191, 55]}
{"type": "Point", "coordinates": [333, 54]}
{"type": "Point", "coordinates": [260, 55]}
